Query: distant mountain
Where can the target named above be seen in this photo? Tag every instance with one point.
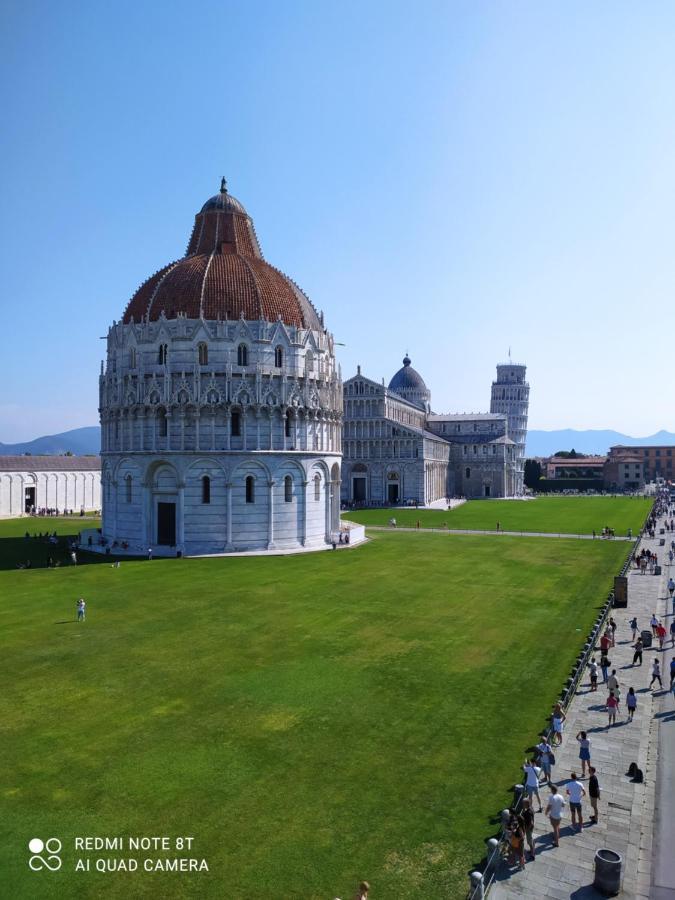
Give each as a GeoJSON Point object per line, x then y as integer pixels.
{"type": "Point", "coordinates": [544, 443]}
{"type": "Point", "coordinates": [79, 442]}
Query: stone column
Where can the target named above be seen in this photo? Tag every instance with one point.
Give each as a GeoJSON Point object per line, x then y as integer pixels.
{"type": "Point", "coordinates": [213, 430]}
{"type": "Point", "coordinates": [180, 516]}
{"type": "Point", "coordinates": [228, 497]}
{"type": "Point", "coordinates": [257, 428]}
{"type": "Point", "coordinates": [197, 426]}
{"type": "Point", "coordinates": [141, 425]}
{"type": "Point", "coordinates": [182, 429]}
{"type": "Point", "coordinates": [270, 516]}
{"type": "Point", "coordinates": [284, 410]}
{"type": "Point", "coordinates": [303, 524]}
{"type": "Point", "coordinates": [328, 488]}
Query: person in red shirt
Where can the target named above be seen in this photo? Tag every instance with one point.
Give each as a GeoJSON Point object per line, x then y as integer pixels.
{"type": "Point", "coordinates": [661, 634]}
{"type": "Point", "coordinates": [612, 704]}
{"type": "Point", "coordinates": [605, 641]}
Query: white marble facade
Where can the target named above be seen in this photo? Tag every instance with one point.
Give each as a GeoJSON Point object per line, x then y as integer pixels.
{"type": "Point", "coordinates": [31, 483]}
{"type": "Point", "coordinates": [221, 432]}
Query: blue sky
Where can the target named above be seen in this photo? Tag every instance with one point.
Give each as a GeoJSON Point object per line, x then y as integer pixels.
{"type": "Point", "coordinates": [449, 179]}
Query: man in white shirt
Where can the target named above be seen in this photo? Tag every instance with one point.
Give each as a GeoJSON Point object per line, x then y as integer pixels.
{"type": "Point", "coordinates": [554, 811]}
{"type": "Point", "coordinates": [532, 773]}
{"type": "Point", "coordinates": [575, 791]}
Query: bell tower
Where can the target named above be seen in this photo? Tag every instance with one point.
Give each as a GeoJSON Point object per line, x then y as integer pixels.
{"type": "Point", "coordinates": [511, 396]}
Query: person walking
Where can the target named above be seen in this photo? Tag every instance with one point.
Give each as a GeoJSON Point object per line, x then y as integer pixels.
{"type": "Point", "coordinates": [611, 709]}
{"type": "Point", "coordinates": [656, 673]}
{"type": "Point", "coordinates": [532, 773]}
{"type": "Point", "coordinates": [149, 552]}
{"type": "Point", "coordinates": [605, 642]}
{"type": "Point", "coordinates": [631, 703]}
{"type": "Point", "coordinates": [605, 663]}
{"type": "Point", "coordinates": [516, 839]}
{"type": "Point", "coordinates": [654, 622]}
{"type": "Point", "coordinates": [576, 791]}
{"type": "Point", "coordinates": [594, 793]}
{"type": "Point", "coordinates": [671, 583]}
{"type": "Point", "coordinates": [527, 817]}
{"type": "Point", "coordinates": [661, 634]}
{"type": "Point", "coordinates": [672, 671]}
{"type": "Point", "coordinates": [593, 667]}
{"type": "Point", "coordinates": [612, 682]}
{"type": "Point", "coordinates": [612, 632]}
{"type": "Point", "coordinates": [634, 625]}
{"type": "Point", "coordinates": [81, 610]}
{"type": "Point", "coordinates": [672, 632]}
{"type": "Point", "coordinates": [584, 752]}
{"type": "Point", "coordinates": [638, 647]}
{"type": "Point", "coordinates": [554, 811]}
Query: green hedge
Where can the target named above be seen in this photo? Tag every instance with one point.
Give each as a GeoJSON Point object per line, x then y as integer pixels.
{"type": "Point", "coordinates": [549, 485]}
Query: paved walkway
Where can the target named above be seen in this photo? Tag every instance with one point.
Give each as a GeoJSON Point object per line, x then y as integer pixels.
{"type": "Point", "coordinates": [626, 822]}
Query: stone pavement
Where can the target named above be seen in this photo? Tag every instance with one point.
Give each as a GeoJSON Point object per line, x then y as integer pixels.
{"type": "Point", "coordinates": [626, 820]}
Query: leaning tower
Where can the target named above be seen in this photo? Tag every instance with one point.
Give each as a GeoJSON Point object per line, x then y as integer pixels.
{"type": "Point", "coordinates": [511, 395]}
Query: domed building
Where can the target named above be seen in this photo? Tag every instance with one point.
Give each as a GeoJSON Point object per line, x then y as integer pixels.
{"type": "Point", "coordinates": [397, 451]}
{"type": "Point", "coordinates": [409, 384]}
{"type": "Point", "coordinates": [220, 404]}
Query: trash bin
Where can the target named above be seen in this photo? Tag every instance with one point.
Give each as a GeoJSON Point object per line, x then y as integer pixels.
{"type": "Point", "coordinates": [646, 639]}
{"type": "Point", "coordinates": [607, 872]}
{"type": "Point", "coordinates": [662, 542]}
{"type": "Point", "coordinates": [662, 530]}
{"type": "Point", "coordinates": [657, 570]}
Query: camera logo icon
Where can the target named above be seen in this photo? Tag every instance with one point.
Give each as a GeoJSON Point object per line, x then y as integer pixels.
{"type": "Point", "coordinates": [45, 854]}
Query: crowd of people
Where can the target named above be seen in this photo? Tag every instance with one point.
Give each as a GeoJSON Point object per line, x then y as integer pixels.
{"type": "Point", "coordinates": [577, 791]}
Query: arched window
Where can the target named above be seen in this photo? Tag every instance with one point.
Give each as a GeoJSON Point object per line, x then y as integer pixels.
{"type": "Point", "coordinates": [163, 354]}
{"type": "Point", "coordinates": [468, 472]}
{"type": "Point", "coordinates": [203, 352]}
{"type": "Point", "coordinates": [288, 424]}
{"type": "Point", "coordinates": [132, 358]}
{"type": "Point", "coordinates": [317, 487]}
{"type": "Point", "coordinates": [309, 362]}
{"type": "Point", "coordinates": [250, 489]}
{"type": "Point", "coordinates": [206, 489]}
{"type": "Point", "coordinates": [288, 489]}
{"type": "Point", "coordinates": [242, 355]}
{"type": "Point", "coordinates": [161, 422]}
{"type": "Point", "coordinates": [278, 357]}
{"type": "Point", "coordinates": [236, 424]}
{"type": "Point", "coordinates": [127, 488]}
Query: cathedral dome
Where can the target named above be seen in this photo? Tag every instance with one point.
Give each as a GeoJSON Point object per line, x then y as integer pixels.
{"type": "Point", "coordinates": [407, 379]}
{"type": "Point", "coordinates": [222, 276]}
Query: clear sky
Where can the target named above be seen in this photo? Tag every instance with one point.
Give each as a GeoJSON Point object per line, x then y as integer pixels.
{"type": "Point", "coordinates": [446, 178]}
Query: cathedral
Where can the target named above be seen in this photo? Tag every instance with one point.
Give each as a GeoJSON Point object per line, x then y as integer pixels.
{"type": "Point", "coordinates": [397, 451]}
{"type": "Point", "coordinates": [220, 404]}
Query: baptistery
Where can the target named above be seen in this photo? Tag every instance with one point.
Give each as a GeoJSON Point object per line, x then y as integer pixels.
{"type": "Point", "coordinates": [220, 404]}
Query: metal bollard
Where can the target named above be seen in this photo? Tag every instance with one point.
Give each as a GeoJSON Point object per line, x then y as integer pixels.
{"type": "Point", "coordinates": [505, 816]}
{"type": "Point", "coordinates": [517, 794]}
{"type": "Point", "coordinates": [477, 889]}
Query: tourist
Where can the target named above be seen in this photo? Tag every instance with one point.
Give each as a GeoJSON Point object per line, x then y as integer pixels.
{"type": "Point", "coordinates": [672, 632]}
{"type": "Point", "coordinates": [631, 703]}
{"type": "Point", "coordinates": [73, 557]}
{"type": "Point", "coordinates": [554, 811]}
{"type": "Point", "coordinates": [612, 682]}
{"type": "Point", "coordinates": [605, 641]}
{"type": "Point", "coordinates": [634, 625]}
{"type": "Point", "coordinates": [532, 773]}
{"type": "Point", "coordinates": [527, 818]}
{"type": "Point", "coordinates": [672, 671]}
{"type": "Point", "coordinates": [149, 552]}
{"type": "Point", "coordinates": [81, 610]}
{"type": "Point", "coordinates": [671, 583]}
{"type": "Point", "coordinates": [575, 791]}
{"type": "Point", "coordinates": [558, 719]}
{"type": "Point", "coordinates": [545, 757]}
{"type": "Point", "coordinates": [637, 656]}
{"type": "Point", "coordinates": [661, 634]}
{"type": "Point", "coordinates": [584, 751]}
{"type": "Point", "coordinates": [594, 792]}
{"type": "Point", "coordinates": [611, 709]}
{"type": "Point", "coordinates": [605, 663]}
{"type": "Point", "coordinates": [656, 673]}
{"type": "Point", "coordinates": [516, 836]}
{"type": "Point", "coordinates": [593, 667]}
{"type": "Point", "coordinates": [654, 622]}
{"type": "Point", "coordinates": [612, 632]}
{"type": "Point", "coordinates": [362, 893]}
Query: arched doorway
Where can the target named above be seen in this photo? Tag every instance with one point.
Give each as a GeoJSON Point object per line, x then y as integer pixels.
{"type": "Point", "coordinates": [393, 488]}
{"type": "Point", "coordinates": [359, 483]}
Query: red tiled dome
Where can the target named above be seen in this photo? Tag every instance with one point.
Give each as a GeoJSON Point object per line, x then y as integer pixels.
{"type": "Point", "coordinates": [223, 275]}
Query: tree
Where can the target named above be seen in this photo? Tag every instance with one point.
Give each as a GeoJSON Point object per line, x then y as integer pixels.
{"type": "Point", "coordinates": [532, 473]}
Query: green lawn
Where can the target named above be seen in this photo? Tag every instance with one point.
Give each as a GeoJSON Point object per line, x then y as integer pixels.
{"type": "Point", "coordinates": [569, 515]}
{"type": "Point", "coordinates": [309, 719]}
